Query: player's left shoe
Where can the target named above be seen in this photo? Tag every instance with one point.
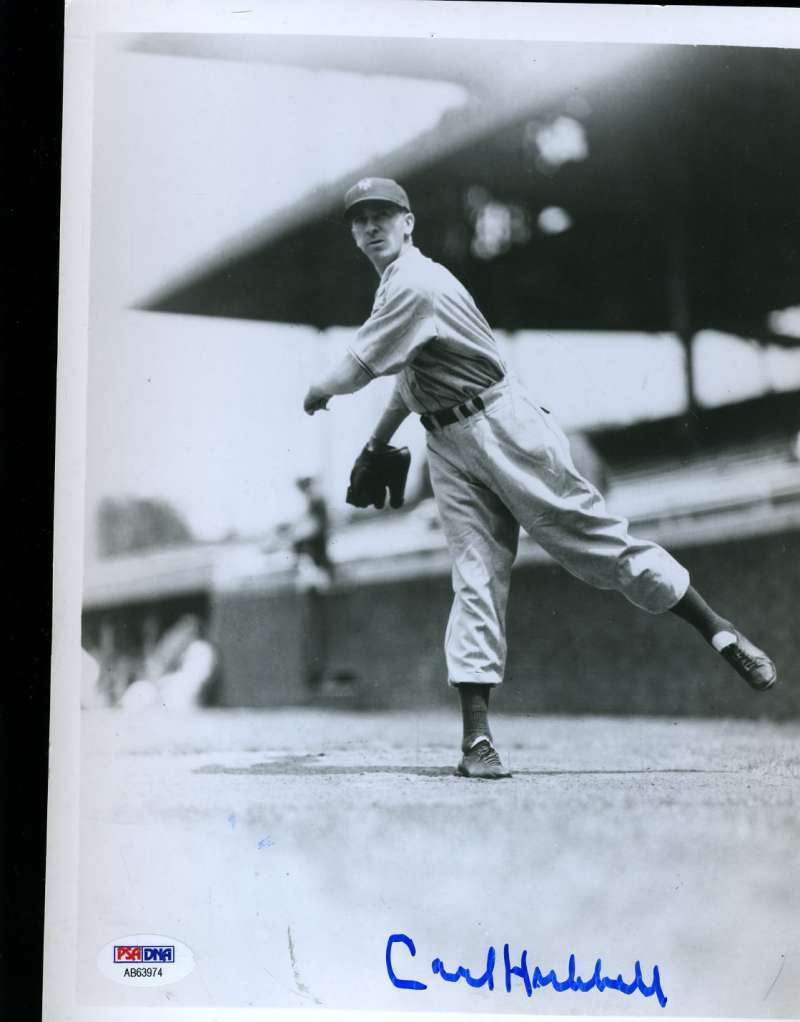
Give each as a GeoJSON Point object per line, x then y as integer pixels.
{"type": "Point", "coordinates": [750, 662]}
{"type": "Point", "coordinates": [482, 762]}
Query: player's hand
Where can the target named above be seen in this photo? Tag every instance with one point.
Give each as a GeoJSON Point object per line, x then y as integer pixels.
{"type": "Point", "coordinates": [315, 401]}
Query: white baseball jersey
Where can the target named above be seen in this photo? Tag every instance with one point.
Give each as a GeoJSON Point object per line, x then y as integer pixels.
{"type": "Point", "coordinates": [426, 326]}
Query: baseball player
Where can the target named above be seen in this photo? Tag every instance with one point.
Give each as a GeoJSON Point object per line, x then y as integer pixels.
{"type": "Point", "coordinates": [498, 461]}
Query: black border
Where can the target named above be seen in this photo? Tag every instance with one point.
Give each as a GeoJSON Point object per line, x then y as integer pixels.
{"type": "Point", "coordinates": [32, 53]}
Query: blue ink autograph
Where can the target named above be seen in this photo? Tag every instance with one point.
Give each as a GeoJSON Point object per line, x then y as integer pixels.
{"type": "Point", "coordinates": [530, 980]}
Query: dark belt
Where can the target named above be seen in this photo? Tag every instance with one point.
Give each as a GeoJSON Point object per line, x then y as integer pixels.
{"type": "Point", "coordinates": [447, 416]}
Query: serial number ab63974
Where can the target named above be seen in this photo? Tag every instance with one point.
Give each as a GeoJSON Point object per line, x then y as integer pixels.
{"type": "Point", "coordinates": [137, 971]}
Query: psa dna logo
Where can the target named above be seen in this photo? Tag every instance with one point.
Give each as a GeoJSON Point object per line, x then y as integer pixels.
{"type": "Point", "coordinates": [145, 959]}
{"type": "Point", "coordinates": [137, 953]}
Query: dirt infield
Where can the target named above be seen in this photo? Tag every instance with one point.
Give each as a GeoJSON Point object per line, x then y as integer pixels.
{"type": "Point", "coordinates": [286, 847]}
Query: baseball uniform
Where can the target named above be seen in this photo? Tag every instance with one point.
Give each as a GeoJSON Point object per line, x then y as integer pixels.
{"type": "Point", "coordinates": [498, 461]}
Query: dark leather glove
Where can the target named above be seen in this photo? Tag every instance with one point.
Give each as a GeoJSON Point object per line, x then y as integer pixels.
{"type": "Point", "coordinates": [374, 472]}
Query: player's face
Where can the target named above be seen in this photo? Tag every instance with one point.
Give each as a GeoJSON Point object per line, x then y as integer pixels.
{"type": "Point", "coordinates": [380, 230]}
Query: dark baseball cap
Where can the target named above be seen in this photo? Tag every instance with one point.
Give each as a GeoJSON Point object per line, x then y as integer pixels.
{"type": "Point", "coordinates": [375, 189]}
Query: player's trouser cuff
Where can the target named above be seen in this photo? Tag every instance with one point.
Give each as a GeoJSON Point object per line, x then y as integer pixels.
{"type": "Point", "coordinates": [652, 579]}
{"type": "Point", "coordinates": [476, 679]}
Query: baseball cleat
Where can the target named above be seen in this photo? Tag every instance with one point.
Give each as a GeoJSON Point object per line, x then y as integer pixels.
{"type": "Point", "coordinates": [750, 662]}
{"type": "Point", "coordinates": [482, 762]}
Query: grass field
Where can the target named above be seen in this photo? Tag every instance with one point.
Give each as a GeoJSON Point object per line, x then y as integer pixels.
{"type": "Point", "coordinates": [285, 847]}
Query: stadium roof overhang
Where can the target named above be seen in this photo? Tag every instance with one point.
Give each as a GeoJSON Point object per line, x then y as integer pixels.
{"type": "Point", "coordinates": [627, 188]}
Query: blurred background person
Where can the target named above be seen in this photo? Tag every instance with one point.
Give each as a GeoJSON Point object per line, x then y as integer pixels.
{"type": "Point", "coordinates": [310, 535]}
{"type": "Point", "coordinates": [180, 669]}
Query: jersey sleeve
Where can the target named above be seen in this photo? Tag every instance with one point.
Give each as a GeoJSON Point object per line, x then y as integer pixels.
{"type": "Point", "coordinates": [395, 332]}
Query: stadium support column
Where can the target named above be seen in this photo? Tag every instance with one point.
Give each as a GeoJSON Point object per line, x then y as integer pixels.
{"type": "Point", "coordinates": [669, 168]}
{"type": "Point", "coordinates": [680, 308]}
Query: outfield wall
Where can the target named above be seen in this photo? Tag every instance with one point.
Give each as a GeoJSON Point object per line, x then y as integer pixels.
{"type": "Point", "coordinates": [572, 649]}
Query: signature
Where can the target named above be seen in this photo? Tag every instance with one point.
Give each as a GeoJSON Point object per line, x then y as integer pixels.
{"type": "Point", "coordinates": [531, 980]}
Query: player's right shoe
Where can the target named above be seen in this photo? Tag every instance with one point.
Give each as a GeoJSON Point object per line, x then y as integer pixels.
{"type": "Point", "coordinates": [749, 662]}
{"type": "Point", "coordinates": [482, 762]}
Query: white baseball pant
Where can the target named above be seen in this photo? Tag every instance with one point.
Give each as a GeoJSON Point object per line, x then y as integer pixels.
{"type": "Point", "coordinates": [507, 466]}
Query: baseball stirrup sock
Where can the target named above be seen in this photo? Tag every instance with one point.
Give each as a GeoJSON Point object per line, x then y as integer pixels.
{"type": "Point", "coordinates": [694, 609]}
{"type": "Point", "coordinates": [474, 713]}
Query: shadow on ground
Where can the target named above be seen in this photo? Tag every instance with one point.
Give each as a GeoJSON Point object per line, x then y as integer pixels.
{"type": "Point", "coordinates": [309, 765]}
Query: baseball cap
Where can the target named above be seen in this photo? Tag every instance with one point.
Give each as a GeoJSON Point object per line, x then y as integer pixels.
{"type": "Point", "coordinates": [375, 189]}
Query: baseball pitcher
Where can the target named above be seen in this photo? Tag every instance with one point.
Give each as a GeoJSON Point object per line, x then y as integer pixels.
{"type": "Point", "coordinates": [498, 461]}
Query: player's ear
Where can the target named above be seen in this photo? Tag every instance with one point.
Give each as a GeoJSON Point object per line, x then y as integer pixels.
{"type": "Point", "coordinates": [409, 218]}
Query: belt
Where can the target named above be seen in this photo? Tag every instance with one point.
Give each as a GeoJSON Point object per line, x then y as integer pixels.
{"type": "Point", "coordinates": [447, 416]}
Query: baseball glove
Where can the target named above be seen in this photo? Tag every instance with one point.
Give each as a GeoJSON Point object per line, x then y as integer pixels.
{"type": "Point", "coordinates": [374, 472]}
